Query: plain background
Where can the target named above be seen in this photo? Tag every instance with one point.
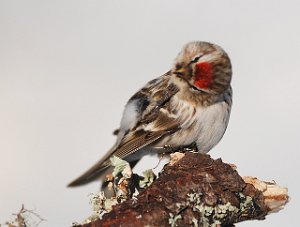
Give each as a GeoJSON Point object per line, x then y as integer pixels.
{"type": "Point", "coordinates": [67, 69]}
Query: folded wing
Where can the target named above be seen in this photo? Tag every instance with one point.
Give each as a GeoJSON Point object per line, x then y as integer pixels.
{"type": "Point", "coordinates": [150, 123]}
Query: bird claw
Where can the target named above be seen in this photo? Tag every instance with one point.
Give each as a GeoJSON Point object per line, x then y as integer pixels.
{"type": "Point", "coordinates": [190, 148]}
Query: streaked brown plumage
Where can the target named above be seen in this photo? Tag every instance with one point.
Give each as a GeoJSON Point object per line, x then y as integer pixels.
{"type": "Point", "coordinates": [188, 105]}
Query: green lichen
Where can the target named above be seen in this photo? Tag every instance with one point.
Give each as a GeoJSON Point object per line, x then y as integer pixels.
{"type": "Point", "coordinates": [247, 203]}
{"type": "Point", "coordinates": [205, 212]}
{"type": "Point", "coordinates": [195, 222]}
{"type": "Point", "coordinates": [121, 167]}
{"type": "Point", "coordinates": [148, 178]}
{"type": "Point", "coordinates": [173, 219]}
{"type": "Point", "coordinates": [223, 210]}
{"type": "Point", "coordinates": [194, 198]}
{"type": "Point", "coordinates": [101, 205]}
{"type": "Point", "coordinates": [121, 183]}
{"type": "Point", "coordinates": [210, 215]}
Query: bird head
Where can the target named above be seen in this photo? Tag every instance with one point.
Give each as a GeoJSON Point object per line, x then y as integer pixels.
{"type": "Point", "coordinates": [204, 66]}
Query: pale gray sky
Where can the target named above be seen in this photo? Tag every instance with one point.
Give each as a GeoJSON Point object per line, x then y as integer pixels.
{"type": "Point", "coordinates": [67, 69]}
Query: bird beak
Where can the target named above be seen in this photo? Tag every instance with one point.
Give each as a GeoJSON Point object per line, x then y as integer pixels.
{"type": "Point", "coordinates": [183, 72]}
{"type": "Point", "coordinates": [180, 71]}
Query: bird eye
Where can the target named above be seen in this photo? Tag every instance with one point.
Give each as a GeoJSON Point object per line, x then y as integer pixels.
{"type": "Point", "coordinates": [196, 59]}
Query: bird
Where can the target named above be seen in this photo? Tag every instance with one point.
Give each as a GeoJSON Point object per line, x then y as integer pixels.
{"type": "Point", "coordinates": [187, 107]}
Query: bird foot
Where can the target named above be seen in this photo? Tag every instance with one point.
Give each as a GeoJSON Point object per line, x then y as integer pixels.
{"type": "Point", "coordinates": [189, 148]}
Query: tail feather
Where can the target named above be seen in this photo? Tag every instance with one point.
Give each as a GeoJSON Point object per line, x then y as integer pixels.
{"type": "Point", "coordinates": [97, 171]}
{"type": "Point", "coordinates": [92, 174]}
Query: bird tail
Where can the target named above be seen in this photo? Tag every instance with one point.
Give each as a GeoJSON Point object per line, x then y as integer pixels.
{"type": "Point", "coordinates": [96, 171]}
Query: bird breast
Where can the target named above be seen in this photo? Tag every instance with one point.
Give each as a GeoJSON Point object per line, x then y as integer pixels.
{"type": "Point", "coordinates": [204, 125]}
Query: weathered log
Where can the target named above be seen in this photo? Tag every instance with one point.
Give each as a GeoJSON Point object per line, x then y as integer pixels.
{"type": "Point", "coordinates": [196, 190]}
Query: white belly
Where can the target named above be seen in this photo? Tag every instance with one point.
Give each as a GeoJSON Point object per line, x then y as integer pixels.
{"type": "Point", "coordinates": [206, 127]}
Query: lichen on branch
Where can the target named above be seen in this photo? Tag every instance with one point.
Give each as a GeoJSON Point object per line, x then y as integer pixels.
{"type": "Point", "coordinates": [192, 190]}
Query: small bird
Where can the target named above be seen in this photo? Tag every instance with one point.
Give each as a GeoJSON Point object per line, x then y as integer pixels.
{"type": "Point", "coordinates": [187, 107]}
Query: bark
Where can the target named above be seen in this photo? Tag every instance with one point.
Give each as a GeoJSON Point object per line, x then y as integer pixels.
{"type": "Point", "coordinates": [197, 191]}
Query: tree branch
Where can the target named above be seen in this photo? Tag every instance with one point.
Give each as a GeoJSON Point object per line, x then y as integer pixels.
{"type": "Point", "coordinates": [195, 190]}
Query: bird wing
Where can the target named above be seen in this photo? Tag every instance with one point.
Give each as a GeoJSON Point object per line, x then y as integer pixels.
{"type": "Point", "coordinates": [141, 137]}
{"type": "Point", "coordinates": [150, 111]}
{"type": "Point", "coordinates": [133, 134]}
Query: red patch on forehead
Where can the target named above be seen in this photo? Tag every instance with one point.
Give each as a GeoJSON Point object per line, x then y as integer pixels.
{"type": "Point", "coordinates": [203, 75]}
